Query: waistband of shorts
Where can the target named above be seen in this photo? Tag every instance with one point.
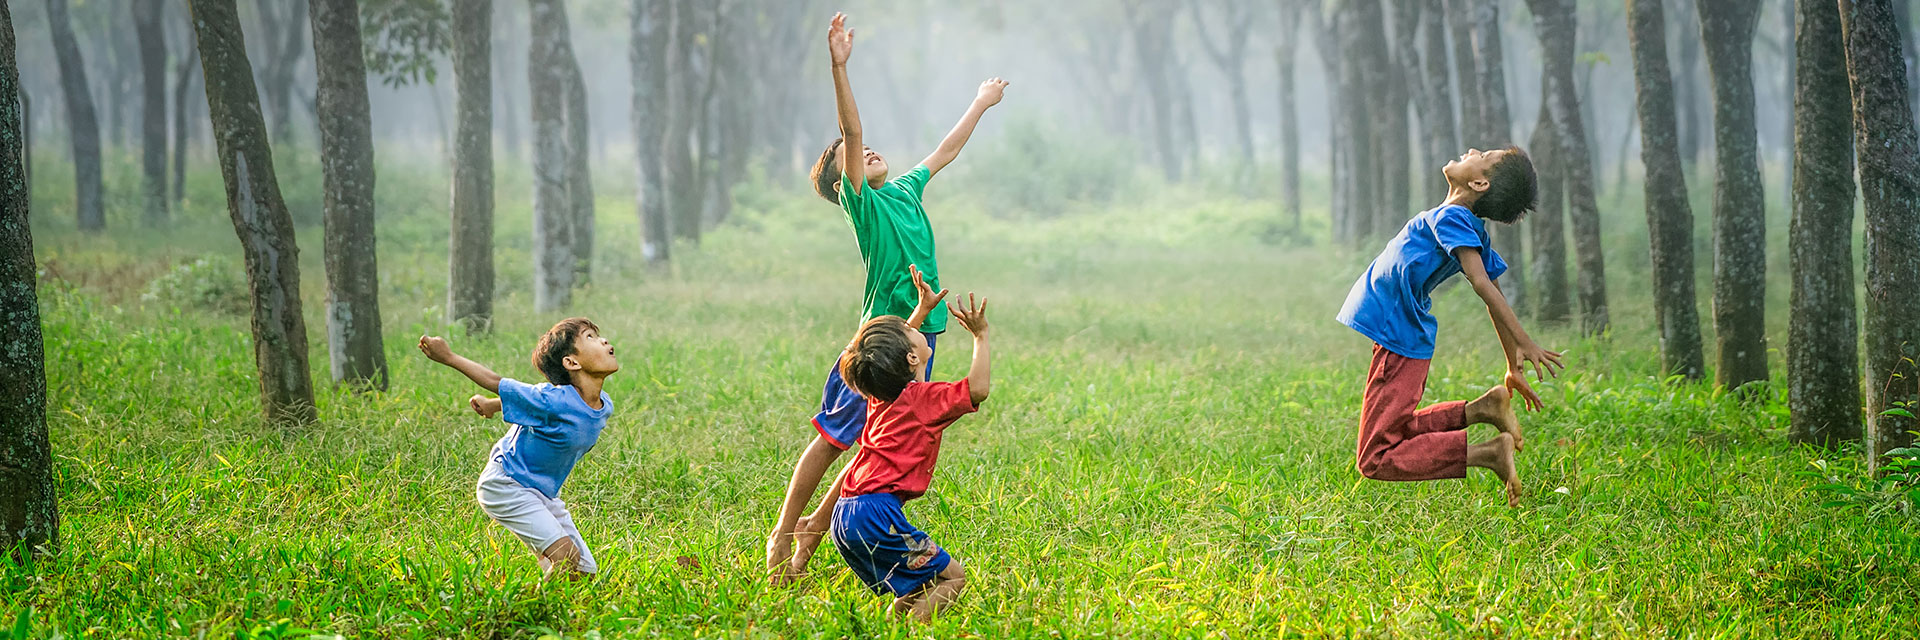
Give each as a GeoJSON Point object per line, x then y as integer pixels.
{"type": "Point", "coordinates": [870, 498]}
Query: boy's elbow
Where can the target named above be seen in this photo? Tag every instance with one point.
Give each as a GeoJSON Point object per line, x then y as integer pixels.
{"type": "Point", "coordinates": [978, 395]}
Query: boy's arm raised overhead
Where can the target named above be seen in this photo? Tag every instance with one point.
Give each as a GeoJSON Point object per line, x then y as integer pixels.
{"type": "Point", "coordinates": [990, 93]}
{"type": "Point", "coordinates": [1520, 348]}
{"type": "Point", "coordinates": [973, 316]}
{"type": "Point", "coordinates": [853, 150]}
{"type": "Point", "coordinates": [437, 350]}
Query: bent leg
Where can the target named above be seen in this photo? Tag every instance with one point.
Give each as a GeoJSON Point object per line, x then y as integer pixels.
{"type": "Point", "coordinates": [814, 462]}
{"type": "Point", "coordinates": [1398, 441]}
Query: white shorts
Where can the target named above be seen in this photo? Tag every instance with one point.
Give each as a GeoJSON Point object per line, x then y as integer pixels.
{"type": "Point", "coordinates": [535, 518]}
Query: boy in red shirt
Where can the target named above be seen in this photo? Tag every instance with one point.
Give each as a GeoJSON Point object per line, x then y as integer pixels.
{"type": "Point", "coordinates": [906, 417]}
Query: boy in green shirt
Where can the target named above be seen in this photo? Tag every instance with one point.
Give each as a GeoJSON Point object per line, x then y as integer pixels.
{"type": "Point", "coordinates": [896, 243]}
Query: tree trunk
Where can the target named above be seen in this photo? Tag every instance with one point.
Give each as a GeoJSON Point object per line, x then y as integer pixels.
{"type": "Point", "coordinates": [1283, 57]}
{"type": "Point", "coordinates": [1669, 216]}
{"type": "Point", "coordinates": [552, 213]}
{"type": "Point", "coordinates": [184, 73]}
{"type": "Point", "coordinates": [29, 508]}
{"type": "Point", "coordinates": [1231, 60]}
{"type": "Point", "coordinates": [83, 127]}
{"type": "Point", "coordinates": [1358, 26]}
{"type": "Point", "coordinates": [1547, 223]}
{"type": "Point", "coordinates": [153, 110]}
{"type": "Point", "coordinates": [259, 215]}
{"type": "Point", "coordinates": [470, 241]}
{"type": "Point", "coordinates": [1739, 220]}
{"type": "Point", "coordinates": [285, 44]}
{"type": "Point", "coordinates": [1890, 185]}
{"type": "Point", "coordinates": [649, 38]}
{"type": "Point", "coordinates": [579, 165]}
{"type": "Point", "coordinates": [1395, 69]}
{"type": "Point", "coordinates": [1903, 16]}
{"type": "Point", "coordinates": [1326, 37]}
{"type": "Point", "coordinates": [346, 164]}
{"type": "Point", "coordinates": [1687, 82]}
{"type": "Point", "coordinates": [1496, 131]}
{"type": "Point", "coordinates": [1152, 45]}
{"type": "Point", "coordinates": [683, 177]}
{"type": "Point", "coordinates": [1442, 134]}
{"type": "Point", "coordinates": [1459, 21]}
{"type": "Point", "coordinates": [1554, 19]}
{"type": "Point", "coordinates": [1823, 349]}
{"type": "Point", "coordinates": [508, 42]}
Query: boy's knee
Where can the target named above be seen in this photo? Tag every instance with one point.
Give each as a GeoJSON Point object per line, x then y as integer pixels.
{"type": "Point", "coordinates": [1370, 469]}
{"type": "Point", "coordinates": [954, 571]}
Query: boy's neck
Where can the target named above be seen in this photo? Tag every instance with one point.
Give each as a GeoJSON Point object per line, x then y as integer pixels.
{"type": "Point", "coordinates": [588, 386]}
{"type": "Point", "coordinates": [1462, 196]}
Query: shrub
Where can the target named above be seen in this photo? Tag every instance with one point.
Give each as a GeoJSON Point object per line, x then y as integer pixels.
{"type": "Point", "coordinates": [212, 283]}
{"type": "Point", "coordinates": [1040, 170]}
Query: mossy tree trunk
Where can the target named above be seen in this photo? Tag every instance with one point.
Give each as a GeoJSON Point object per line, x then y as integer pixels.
{"type": "Point", "coordinates": [347, 170]}
{"type": "Point", "coordinates": [153, 110]}
{"type": "Point", "coordinates": [83, 124]}
{"type": "Point", "coordinates": [470, 240]}
{"type": "Point", "coordinates": [29, 510]}
{"type": "Point", "coordinates": [552, 212]}
{"type": "Point", "coordinates": [1823, 349]}
{"type": "Point", "coordinates": [1739, 216]}
{"type": "Point", "coordinates": [1669, 216]}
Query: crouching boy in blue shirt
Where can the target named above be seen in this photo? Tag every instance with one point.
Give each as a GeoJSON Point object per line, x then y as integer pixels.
{"type": "Point", "coordinates": [550, 426]}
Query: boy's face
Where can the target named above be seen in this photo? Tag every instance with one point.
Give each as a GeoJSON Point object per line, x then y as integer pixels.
{"type": "Point", "coordinates": [592, 355]}
{"type": "Point", "coordinates": [1471, 168]}
{"type": "Point", "coordinates": [875, 164]}
{"type": "Point", "coordinates": [922, 352]}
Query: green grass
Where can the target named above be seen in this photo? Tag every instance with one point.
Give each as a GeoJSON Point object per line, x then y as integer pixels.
{"type": "Point", "coordinates": [1169, 452]}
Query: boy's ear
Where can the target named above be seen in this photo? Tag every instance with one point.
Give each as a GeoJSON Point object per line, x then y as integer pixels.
{"type": "Point", "coordinates": [1479, 184]}
{"type": "Point", "coordinates": [571, 363]}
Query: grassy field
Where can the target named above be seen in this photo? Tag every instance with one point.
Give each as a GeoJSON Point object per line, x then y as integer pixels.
{"type": "Point", "coordinates": [1168, 452]}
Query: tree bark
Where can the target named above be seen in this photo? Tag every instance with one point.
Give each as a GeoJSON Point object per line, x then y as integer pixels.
{"type": "Point", "coordinates": [1687, 82]}
{"type": "Point", "coordinates": [1393, 72]}
{"type": "Point", "coordinates": [346, 164]}
{"type": "Point", "coordinates": [470, 259]}
{"type": "Point", "coordinates": [1903, 16]}
{"type": "Point", "coordinates": [184, 73]}
{"type": "Point", "coordinates": [552, 213]}
{"type": "Point", "coordinates": [153, 109]}
{"type": "Point", "coordinates": [1358, 27]}
{"type": "Point", "coordinates": [285, 45]}
{"type": "Point", "coordinates": [1496, 131]}
{"type": "Point", "coordinates": [1459, 18]}
{"type": "Point", "coordinates": [649, 38]}
{"type": "Point", "coordinates": [1669, 216]}
{"type": "Point", "coordinates": [1554, 19]}
{"type": "Point", "coordinates": [579, 165]}
{"type": "Point", "coordinates": [1823, 349]}
{"type": "Point", "coordinates": [1442, 133]}
{"type": "Point", "coordinates": [83, 126]}
{"type": "Point", "coordinates": [1739, 220]}
{"type": "Point", "coordinates": [1889, 157]}
{"type": "Point", "coordinates": [1283, 57]}
{"type": "Point", "coordinates": [259, 215]}
{"type": "Point", "coordinates": [1547, 223]}
{"type": "Point", "coordinates": [1326, 37]}
{"type": "Point", "coordinates": [1152, 46]}
{"type": "Point", "coordinates": [683, 177]}
{"type": "Point", "coordinates": [29, 508]}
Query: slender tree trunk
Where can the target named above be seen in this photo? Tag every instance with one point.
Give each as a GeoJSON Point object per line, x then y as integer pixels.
{"type": "Point", "coordinates": [1326, 37]}
{"type": "Point", "coordinates": [1231, 60]}
{"type": "Point", "coordinates": [285, 44]}
{"type": "Point", "coordinates": [1396, 151]}
{"type": "Point", "coordinates": [683, 177]}
{"type": "Point", "coordinates": [1823, 349]}
{"type": "Point", "coordinates": [1547, 223]}
{"type": "Point", "coordinates": [1283, 55]}
{"type": "Point", "coordinates": [29, 508]}
{"type": "Point", "coordinates": [1459, 19]}
{"type": "Point", "coordinates": [1903, 17]}
{"type": "Point", "coordinates": [552, 213]}
{"type": "Point", "coordinates": [1739, 219]}
{"type": "Point", "coordinates": [1496, 130]}
{"type": "Point", "coordinates": [579, 165]}
{"type": "Point", "coordinates": [83, 128]}
{"type": "Point", "coordinates": [649, 38]}
{"type": "Point", "coordinates": [1687, 82]}
{"type": "Point", "coordinates": [1669, 216]}
{"type": "Point", "coordinates": [470, 260]}
{"type": "Point", "coordinates": [1357, 44]}
{"type": "Point", "coordinates": [1554, 19]}
{"type": "Point", "coordinates": [1152, 45]}
{"type": "Point", "coordinates": [184, 72]}
{"type": "Point", "coordinates": [504, 48]}
{"type": "Point", "coordinates": [259, 215]}
{"type": "Point", "coordinates": [346, 164]}
{"type": "Point", "coordinates": [1890, 185]}
{"type": "Point", "coordinates": [1442, 132]}
{"type": "Point", "coordinates": [153, 109]}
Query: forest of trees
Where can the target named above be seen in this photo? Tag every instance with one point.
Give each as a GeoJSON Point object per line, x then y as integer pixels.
{"type": "Point", "coordinates": [715, 88]}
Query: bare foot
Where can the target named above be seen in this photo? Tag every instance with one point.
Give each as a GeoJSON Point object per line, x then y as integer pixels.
{"type": "Point", "coordinates": [807, 537]}
{"type": "Point", "coordinates": [1502, 466]}
{"type": "Point", "coordinates": [1495, 407]}
{"type": "Point", "coordinates": [779, 553]}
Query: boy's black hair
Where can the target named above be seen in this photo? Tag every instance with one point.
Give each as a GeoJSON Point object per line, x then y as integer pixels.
{"type": "Point", "coordinates": [1511, 188]}
{"type": "Point", "coordinates": [826, 173]}
{"type": "Point", "coordinates": [556, 345]}
{"type": "Point", "coordinates": [875, 365]}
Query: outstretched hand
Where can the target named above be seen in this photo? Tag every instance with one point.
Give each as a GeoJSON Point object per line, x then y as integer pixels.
{"type": "Point", "coordinates": [1546, 364]}
{"type": "Point", "coordinates": [971, 315]}
{"type": "Point", "coordinates": [483, 405]}
{"type": "Point", "coordinates": [928, 299]}
{"type": "Point", "coordinates": [839, 39]}
{"type": "Point", "coordinates": [1517, 382]}
{"type": "Point", "coordinates": [991, 92]}
{"type": "Point", "coordinates": [436, 349]}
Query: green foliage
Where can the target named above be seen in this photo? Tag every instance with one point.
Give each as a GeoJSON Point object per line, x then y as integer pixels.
{"type": "Point", "coordinates": [215, 284]}
{"type": "Point", "coordinates": [1042, 170]}
{"type": "Point", "coordinates": [1850, 484]}
{"type": "Point", "coordinates": [403, 37]}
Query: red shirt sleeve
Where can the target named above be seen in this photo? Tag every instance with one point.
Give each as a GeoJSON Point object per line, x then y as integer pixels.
{"type": "Point", "coordinates": [944, 402]}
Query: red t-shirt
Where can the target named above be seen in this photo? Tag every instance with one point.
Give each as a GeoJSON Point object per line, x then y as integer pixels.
{"type": "Point", "coordinates": [902, 439]}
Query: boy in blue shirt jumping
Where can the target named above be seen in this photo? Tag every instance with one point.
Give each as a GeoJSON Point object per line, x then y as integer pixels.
{"type": "Point", "coordinates": [550, 426]}
{"type": "Point", "coordinates": [1390, 305]}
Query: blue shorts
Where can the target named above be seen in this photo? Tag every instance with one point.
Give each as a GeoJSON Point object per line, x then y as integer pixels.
{"type": "Point", "coordinates": [882, 548]}
{"type": "Point", "coordinates": [843, 413]}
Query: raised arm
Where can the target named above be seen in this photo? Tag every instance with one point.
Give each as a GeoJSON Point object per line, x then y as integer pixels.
{"type": "Point", "coordinates": [438, 351]}
{"type": "Point", "coordinates": [928, 299]}
{"type": "Point", "coordinates": [1519, 347]}
{"type": "Point", "coordinates": [973, 317]}
{"type": "Point", "coordinates": [853, 156]}
{"type": "Point", "coordinates": [990, 93]}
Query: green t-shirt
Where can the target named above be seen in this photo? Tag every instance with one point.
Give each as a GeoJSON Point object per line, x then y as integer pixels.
{"type": "Point", "coordinates": [893, 232]}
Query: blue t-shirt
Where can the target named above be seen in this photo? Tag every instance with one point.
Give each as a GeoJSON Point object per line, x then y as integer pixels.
{"type": "Point", "coordinates": [1390, 303]}
{"type": "Point", "coordinates": [551, 428]}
